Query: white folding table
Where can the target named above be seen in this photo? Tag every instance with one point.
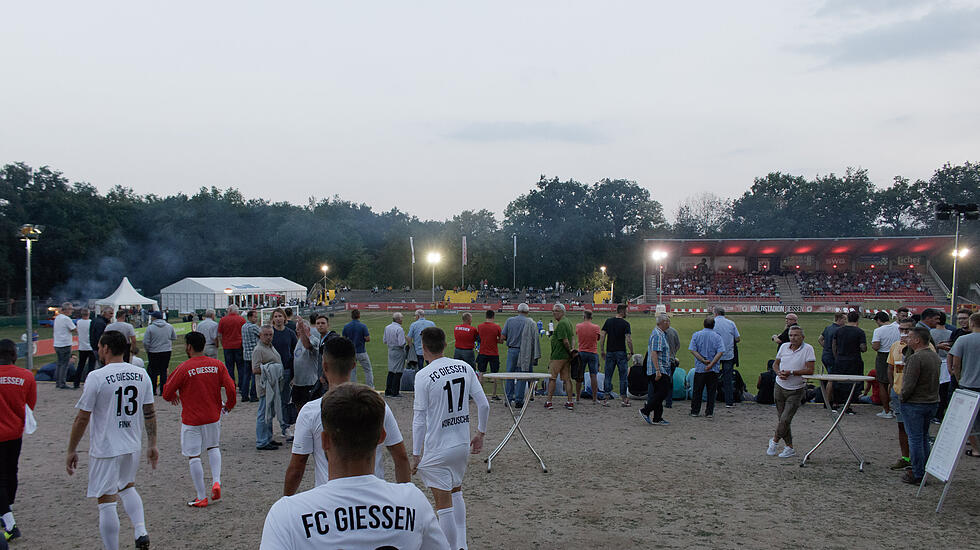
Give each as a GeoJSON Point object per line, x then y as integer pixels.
{"type": "Point", "coordinates": [531, 379]}
{"type": "Point", "coordinates": [841, 378]}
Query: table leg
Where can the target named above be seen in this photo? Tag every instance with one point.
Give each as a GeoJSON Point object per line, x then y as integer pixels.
{"type": "Point", "coordinates": [836, 426]}
{"type": "Point", "coordinates": [517, 427]}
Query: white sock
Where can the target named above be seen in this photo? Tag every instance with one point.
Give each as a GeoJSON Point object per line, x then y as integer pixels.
{"type": "Point", "coordinates": [109, 525]}
{"type": "Point", "coordinates": [8, 520]}
{"type": "Point", "coordinates": [448, 523]}
{"type": "Point", "coordinates": [214, 459]}
{"type": "Point", "coordinates": [133, 505]}
{"type": "Point", "coordinates": [459, 512]}
{"type": "Point", "coordinates": [197, 476]}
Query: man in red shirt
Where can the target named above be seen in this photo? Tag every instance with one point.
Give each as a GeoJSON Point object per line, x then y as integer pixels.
{"type": "Point", "coordinates": [588, 333]}
{"type": "Point", "coordinates": [489, 336]}
{"type": "Point", "coordinates": [17, 389]}
{"type": "Point", "coordinates": [465, 335]}
{"type": "Point", "coordinates": [196, 384]}
{"type": "Point", "coordinates": [230, 338]}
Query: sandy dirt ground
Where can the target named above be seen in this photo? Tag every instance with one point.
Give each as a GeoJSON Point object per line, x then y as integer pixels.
{"type": "Point", "coordinates": [612, 482]}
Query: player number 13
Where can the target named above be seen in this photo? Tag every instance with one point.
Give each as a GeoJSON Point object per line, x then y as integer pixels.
{"type": "Point", "coordinates": [131, 403]}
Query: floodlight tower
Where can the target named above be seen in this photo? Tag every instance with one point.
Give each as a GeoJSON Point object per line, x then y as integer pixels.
{"type": "Point", "coordinates": [30, 233]}
{"type": "Point", "coordinates": [659, 256]}
{"type": "Point", "coordinates": [946, 211]}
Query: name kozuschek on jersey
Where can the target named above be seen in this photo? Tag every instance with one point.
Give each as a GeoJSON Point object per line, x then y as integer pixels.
{"type": "Point", "coordinates": [353, 518]}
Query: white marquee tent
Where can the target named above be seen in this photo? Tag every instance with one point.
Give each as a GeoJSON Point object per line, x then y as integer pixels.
{"type": "Point", "coordinates": [195, 293]}
{"type": "Point", "coordinates": [126, 295]}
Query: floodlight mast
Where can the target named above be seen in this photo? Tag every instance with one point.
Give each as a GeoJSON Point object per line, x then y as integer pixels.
{"type": "Point", "coordinates": [29, 233]}
{"type": "Point", "coordinates": [945, 211]}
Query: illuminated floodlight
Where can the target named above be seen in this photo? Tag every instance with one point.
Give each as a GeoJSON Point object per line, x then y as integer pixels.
{"type": "Point", "coordinates": [434, 257]}
{"type": "Point", "coordinates": [658, 255]}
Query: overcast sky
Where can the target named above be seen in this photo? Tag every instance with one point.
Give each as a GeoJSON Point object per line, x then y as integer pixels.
{"type": "Point", "coordinates": [438, 107]}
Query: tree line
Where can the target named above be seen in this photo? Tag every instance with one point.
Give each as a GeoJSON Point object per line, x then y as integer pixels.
{"type": "Point", "coordinates": [565, 230]}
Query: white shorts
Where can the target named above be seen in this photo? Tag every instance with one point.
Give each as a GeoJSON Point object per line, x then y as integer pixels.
{"type": "Point", "coordinates": [444, 470]}
{"type": "Point", "coordinates": [194, 439]}
{"type": "Point", "coordinates": [108, 476]}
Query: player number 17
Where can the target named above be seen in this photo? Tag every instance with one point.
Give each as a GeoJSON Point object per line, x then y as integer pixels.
{"type": "Point", "coordinates": [449, 393]}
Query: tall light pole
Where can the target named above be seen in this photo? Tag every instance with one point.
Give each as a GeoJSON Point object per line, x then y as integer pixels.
{"type": "Point", "coordinates": [515, 262]}
{"type": "Point", "coordinates": [659, 256]}
{"type": "Point", "coordinates": [434, 258]}
{"type": "Point", "coordinates": [324, 268]}
{"type": "Point", "coordinates": [945, 211]}
{"type": "Point", "coordinates": [612, 285]}
{"type": "Point", "coordinates": [30, 233]}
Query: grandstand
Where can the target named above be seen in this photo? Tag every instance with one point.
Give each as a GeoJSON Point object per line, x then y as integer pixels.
{"type": "Point", "coordinates": [796, 274]}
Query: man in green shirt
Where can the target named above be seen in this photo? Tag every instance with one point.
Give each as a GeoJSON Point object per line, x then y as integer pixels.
{"type": "Point", "coordinates": [561, 355]}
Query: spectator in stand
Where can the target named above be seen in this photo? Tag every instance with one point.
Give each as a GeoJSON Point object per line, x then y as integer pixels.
{"type": "Point", "coordinates": [158, 341]}
{"type": "Point", "coordinates": [17, 391]}
{"type": "Point", "coordinates": [209, 328]}
{"type": "Point", "coordinates": [705, 344]}
{"type": "Point", "coordinates": [826, 340]}
{"type": "Point", "coordinates": [230, 340]}
{"type": "Point", "coordinates": [394, 338]}
{"type": "Point", "coordinates": [848, 345]}
{"type": "Point", "coordinates": [659, 382]}
{"type": "Point", "coordinates": [357, 332]}
{"type": "Point", "coordinates": [414, 337]}
{"type": "Point", "coordinates": [490, 337]}
{"type": "Point", "coordinates": [617, 330]}
{"type": "Point", "coordinates": [125, 328]}
{"type": "Point", "coordinates": [793, 360]}
{"type": "Point", "coordinates": [729, 335]}
{"type": "Point", "coordinates": [783, 337]}
{"type": "Point", "coordinates": [920, 399]}
{"type": "Point", "coordinates": [966, 368]}
{"type": "Point", "coordinates": [250, 337]}
{"type": "Point", "coordinates": [466, 338]}
{"type": "Point", "coordinates": [86, 355]}
{"type": "Point", "coordinates": [63, 327]}
{"type": "Point", "coordinates": [587, 333]}
{"type": "Point", "coordinates": [881, 341]}
{"type": "Point", "coordinates": [96, 329]}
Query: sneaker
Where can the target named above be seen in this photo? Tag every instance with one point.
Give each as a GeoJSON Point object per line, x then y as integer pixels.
{"type": "Point", "coordinates": [730, 406]}
{"type": "Point", "coordinates": [661, 422]}
{"type": "Point", "coordinates": [143, 543]}
{"type": "Point", "coordinates": [668, 406]}
{"type": "Point", "coordinates": [215, 491]}
{"type": "Point", "coordinates": [268, 447]}
{"type": "Point", "coordinates": [773, 447]}
{"type": "Point", "coordinates": [909, 477]}
{"type": "Point", "coordinates": [276, 443]}
{"type": "Point", "coordinates": [518, 404]}
{"type": "Point", "coordinates": [12, 534]}
{"type": "Point", "coordinates": [900, 464]}
{"type": "Point", "coordinates": [646, 417]}
{"type": "Point", "coordinates": [495, 398]}
{"type": "Point", "coordinates": [570, 406]}
{"type": "Point", "coordinates": [709, 416]}
{"type": "Point", "coordinates": [885, 414]}
{"type": "Point", "coordinates": [695, 415]}
{"type": "Point", "coordinates": [198, 503]}
{"type": "Point", "coordinates": [787, 452]}
{"type": "Point", "coordinates": [850, 412]}
{"type": "Point", "coordinates": [548, 405]}
{"type": "Point", "coordinates": [936, 421]}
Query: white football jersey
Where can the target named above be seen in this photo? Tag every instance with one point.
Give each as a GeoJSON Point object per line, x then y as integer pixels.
{"type": "Point", "coordinates": [115, 395]}
{"type": "Point", "coordinates": [306, 439]}
{"type": "Point", "coordinates": [354, 512]}
{"type": "Point", "coordinates": [442, 392]}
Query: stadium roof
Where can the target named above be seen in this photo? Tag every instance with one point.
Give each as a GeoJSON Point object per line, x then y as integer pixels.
{"type": "Point", "coordinates": [851, 246]}
{"type": "Point", "coordinates": [239, 285]}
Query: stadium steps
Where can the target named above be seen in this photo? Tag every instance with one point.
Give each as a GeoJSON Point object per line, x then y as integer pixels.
{"type": "Point", "coordinates": [789, 291]}
{"type": "Point", "coordinates": [934, 287]}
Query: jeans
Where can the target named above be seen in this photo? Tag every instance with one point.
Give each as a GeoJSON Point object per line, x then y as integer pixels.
{"type": "Point", "coordinates": [61, 371]}
{"type": "Point", "coordinates": [158, 367]}
{"type": "Point", "coordinates": [615, 359]}
{"type": "Point", "coordinates": [285, 419]}
{"type": "Point", "coordinates": [917, 417]}
{"type": "Point", "coordinates": [247, 383]}
{"type": "Point", "coordinates": [702, 380]}
{"type": "Point", "coordinates": [235, 363]}
{"type": "Point", "coordinates": [728, 380]}
{"type": "Point", "coordinates": [513, 390]}
{"type": "Point", "coordinates": [263, 427]}
{"type": "Point", "coordinates": [590, 360]}
{"type": "Point", "coordinates": [657, 390]}
{"type": "Point", "coordinates": [365, 362]}
{"type": "Point", "coordinates": [86, 364]}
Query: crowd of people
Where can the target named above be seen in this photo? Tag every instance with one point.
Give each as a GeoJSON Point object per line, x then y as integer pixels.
{"type": "Point", "coordinates": [703, 282]}
{"type": "Point", "coordinates": [868, 281]}
{"type": "Point", "coordinates": [304, 375]}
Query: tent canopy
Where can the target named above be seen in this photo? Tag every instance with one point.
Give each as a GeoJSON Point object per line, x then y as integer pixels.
{"type": "Point", "coordinates": [126, 295]}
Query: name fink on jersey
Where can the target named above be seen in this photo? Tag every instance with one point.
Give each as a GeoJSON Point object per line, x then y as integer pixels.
{"type": "Point", "coordinates": [447, 370]}
{"type": "Point", "coordinates": [354, 518]}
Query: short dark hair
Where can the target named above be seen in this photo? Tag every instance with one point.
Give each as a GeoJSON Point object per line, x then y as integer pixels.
{"type": "Point", "coordinates": [929, 313]}
{"type": "Point", "coordinates": [250, 314]}
{"type": "Point", "coordinates": [490, 314]}
{"type": "Point", "coordinates": [115, 341]}
{"type": "Point", "coordinates": [8, 352]}
{"type": "Point", "coordinates": [975, 319]}
{"type": "Point", "coordinates": [907, 321]}
{"type": "Point", "coordinates": [709, 322]}
{"type": "Point", "coordinates": [353, 416]}
{"type": "Point", "coordinates": [838, 316]}
{"type": "Point", "coordinates": [338, 355]}
{"type": "Point", "coordinates": [882, 316]}
{"type": "Point", "coordinates": [316, 317]}
{"type": "Point", "coordinates": [195, 340]}
{"type": "Point", "coordinates": [904, 309]}
{"type": "Point", "coordinates": [434, 339]}
{"type": "Point", "coordinates": [587, 314]}
{"type": "Point", "coordinates": [355, 313]}
{"type": "Point", "coordinates": [289, 312]}
{"type": "Point", "coordinates": [923, 334]}
{"type": "Point", "coordinates": [621, 308]}
{"type": "Point", "coordinates": [853, 316]}
{"type": "Point", "coordinates": [965, 310]}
